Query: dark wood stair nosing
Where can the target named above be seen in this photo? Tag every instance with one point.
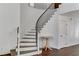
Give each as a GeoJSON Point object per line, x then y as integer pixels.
{"type": "Point", "coordinates": [25, 52]}
{"type": "Point", "coordinates": [27, 42]}
{"type": "Point", "coordinates": [27, 38]}
{"type": "Point", "coordinates": [31, 32]}
{"type": "Point", "coordinates": [27, 46]}
{"type": "Point", "coordinates": [29, 35]}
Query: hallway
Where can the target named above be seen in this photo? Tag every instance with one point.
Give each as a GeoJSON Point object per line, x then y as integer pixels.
{"type": "Point", "coordinates": [67, 51]}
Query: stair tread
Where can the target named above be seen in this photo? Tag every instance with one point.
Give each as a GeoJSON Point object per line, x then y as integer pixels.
{"type": "Point", "coordinates": [28, 38]}
{"type": "Point", "coordinates": [27, 49]}
{"type": "Point", "coordinates": [33, 29]}
{"type": "Point", "coordinates": [29, 34]}
{"type": "Point", "coordinates": [24, 52]}
{"type": "Point", "coordinates": [27, 46]}
{"type": "Point", "coordinates": [27, 42]}
{"type": "Point", "coordinates": [32, 53]}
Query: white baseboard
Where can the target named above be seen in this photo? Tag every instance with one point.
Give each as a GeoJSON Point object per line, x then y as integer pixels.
{"type": "Point", "coordinates": [68, 45]}
{"type": "Point", "coordinates": [63, 46]}
{"type": "Point", "coordinates": [4, 52]}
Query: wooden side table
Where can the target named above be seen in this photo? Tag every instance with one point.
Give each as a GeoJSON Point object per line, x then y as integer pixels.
{"type": "Point", "coordinates": [46, 51]}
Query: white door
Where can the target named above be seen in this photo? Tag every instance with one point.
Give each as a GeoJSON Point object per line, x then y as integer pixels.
{"type": "Point", "coordinates": [64, 31]}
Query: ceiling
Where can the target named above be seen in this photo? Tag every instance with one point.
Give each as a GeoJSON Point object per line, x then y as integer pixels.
{"type": "Point", "coordinates": [72, 13]}
{"type": "Point", "coordinates": [39, 5]}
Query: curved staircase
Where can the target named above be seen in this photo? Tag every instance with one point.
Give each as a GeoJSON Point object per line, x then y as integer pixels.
{"type": "Point", "coordinates": [27, 45]}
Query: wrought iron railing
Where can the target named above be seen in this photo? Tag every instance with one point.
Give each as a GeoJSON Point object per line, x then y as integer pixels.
{"type": "Point", "coordinates": [44, 17]}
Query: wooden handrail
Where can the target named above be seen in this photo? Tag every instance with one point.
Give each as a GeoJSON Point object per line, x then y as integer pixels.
{"type": "Point", "coordinates": [38, 21]}
{"type": "Point", "coordinates": [51, 6]}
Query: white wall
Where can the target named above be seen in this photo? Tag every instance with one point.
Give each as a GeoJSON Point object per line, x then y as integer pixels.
{"type": "Point", "coordinates": [69, 31]}
{"type": "Point", "coordinates": [74, 32]}
{"type": "Point", "coordinates": [69, 10]}
{"type": "Point", "coordinates": [67, 7]}
{"type": "Point", "coordinates": [28, 17]}
{"type": "Point", "coordinates": [9, 20]}
{"type": "Point", "coordinates": [50, 30]}
{"type": "Point", "coordinates": [63, 31]}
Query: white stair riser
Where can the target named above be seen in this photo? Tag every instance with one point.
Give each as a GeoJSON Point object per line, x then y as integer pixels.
{"type": "Point", "coordinates": [31, 40]}
{"type": "Point", "coordinates": [27, 44]}
{"type": "Point", "coordinates": [48, 24]}
{"type": "Point", "coordinates": [26, 49]}
{"type": "Point", "coordinates": [30, 36]}
{"type": "Point", "coordinates": [4, 52]}
{"type": "Point", "coordinates": [32, 53]}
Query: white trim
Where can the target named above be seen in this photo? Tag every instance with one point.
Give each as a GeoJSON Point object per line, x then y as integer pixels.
{"type": "Point", "coordinates": [4, 52]}
{"type": "Point", "coordinates": [68, 45]}
{"type": "Point", "coordinates": [32, 53]}
{"type": "Point", "coordinates": [38, 48]}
